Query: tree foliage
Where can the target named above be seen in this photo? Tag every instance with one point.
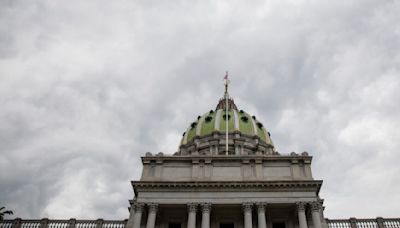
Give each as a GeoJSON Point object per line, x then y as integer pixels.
{"type": "Point", "coordinates": [4, 212]}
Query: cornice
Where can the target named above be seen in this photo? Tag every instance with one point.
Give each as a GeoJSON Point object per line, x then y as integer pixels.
{"type": "Point", "coordinates": [226, 157]}
{"type": "Point", "coordinates": [313, 185]}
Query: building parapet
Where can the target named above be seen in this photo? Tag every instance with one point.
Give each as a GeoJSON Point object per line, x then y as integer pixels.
{"type": "Point", "coordinates": [364, 223]}
{"type": "Point", "coordinates": [57, 223]}
{"type": "Point", "coordinates": [100, 223]}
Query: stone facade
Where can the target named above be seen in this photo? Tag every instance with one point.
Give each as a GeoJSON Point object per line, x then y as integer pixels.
{"type": "Point", "coordinates": [222, 191]}
{"type": "Point", "coordinates": [226, 168]}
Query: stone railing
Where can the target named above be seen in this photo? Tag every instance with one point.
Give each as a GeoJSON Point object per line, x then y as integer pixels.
{"type": "Point", "coordinates": [100, 223]}
{"type": "Point", "coordinates": [364, 223]}
{"type": "Point", "coordinates": [71, 223]}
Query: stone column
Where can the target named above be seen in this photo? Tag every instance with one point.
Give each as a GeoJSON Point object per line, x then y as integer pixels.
{"type": "Point", "coordinates": [131, 218]}
{"type": "Point", "coordinates": [151, 217]}
{"type": "Point", "coordinates": [205, 219]}
{"type": "Point", "coordinates": [316, 218]}
{"type": "Point", "coordinates": [261, 215]}
{"type": "Point", "coordinates": [301, 210]}
{"type": "Point", "coordinates": [192, 208]}
{"type": "Point", "coordinates": [247, 215]}
{"type": "Point", "coordinates": [138, 215]}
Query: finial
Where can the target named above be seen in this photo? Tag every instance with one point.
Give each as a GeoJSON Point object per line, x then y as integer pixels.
{"type": "Point", "coordinates": [226, 112]}
{"type": "Point", "coordinates": [226, 101]}
{"type": "Point", "coordinates": [226, 83]}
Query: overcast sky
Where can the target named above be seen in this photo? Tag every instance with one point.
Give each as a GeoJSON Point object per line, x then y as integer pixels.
{"type": "Point", "coordinates": [87, 87]}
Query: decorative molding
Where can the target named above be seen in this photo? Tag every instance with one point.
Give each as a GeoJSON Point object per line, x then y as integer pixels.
{"type": "Point", "coordinates": [315, 206]}
{"type": "Point", "coordinates": [247, 206]}
{"type": "Point", "coordinates": [312, 185]}
{"type": "Point", "coordinates": [261, 207]}
{"type": "Point", "coordinates": [153, 207]}
{"type": "Point", "coordinates": [206, 207]}
{"type": "Point", "coordinates": [301, 206]}
{"type": "Point", "coordinates": [263, 157]}
{"type": "Point", "coordinates": [139, 207]}
{"type": "Point", "coordinates": [252, 139]}
{"type": "Point", "coordinates": [192, 207]}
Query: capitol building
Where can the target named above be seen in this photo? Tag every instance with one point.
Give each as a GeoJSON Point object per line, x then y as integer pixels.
{"type": "Point", "coordinates": [225, 174]}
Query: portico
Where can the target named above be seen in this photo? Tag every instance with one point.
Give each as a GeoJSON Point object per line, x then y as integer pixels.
{"type": "Point", "coordinates": [207, 215]}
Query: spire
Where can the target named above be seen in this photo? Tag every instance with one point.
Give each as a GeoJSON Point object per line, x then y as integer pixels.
{"type": "Point", "coordinates": [226, 85]}
{"type": "Point", "coordinates": [226, 101]}
{"type": "Point", "coordinates": [226, 113]}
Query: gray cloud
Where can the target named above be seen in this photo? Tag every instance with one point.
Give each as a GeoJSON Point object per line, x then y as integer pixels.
{"type": "Point", "coordinates": [87, 88]}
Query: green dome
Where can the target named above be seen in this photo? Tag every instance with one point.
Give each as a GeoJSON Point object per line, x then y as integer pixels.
{"type": "Point", "coordinates": [239, 121]}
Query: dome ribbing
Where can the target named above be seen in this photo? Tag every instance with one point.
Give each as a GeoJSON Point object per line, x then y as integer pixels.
{"type": "Point", "coordinates": [239, 121]}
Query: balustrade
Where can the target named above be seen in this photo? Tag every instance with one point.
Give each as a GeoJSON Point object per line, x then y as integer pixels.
{"type": "Point", "coordinates": [391, 223]}
{"type": "Point", "coordinates": [72, 223]}
{"type": "Point", "coordinates": [30, 224]}
{"type": "Point", "coordinates": [364, 223]}
{"type": "Point", "coordinates": [6, 224]}
{"type": "Point", "coordinates": [58, 224]}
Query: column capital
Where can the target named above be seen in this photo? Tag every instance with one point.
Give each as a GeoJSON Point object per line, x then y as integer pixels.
{"type": "Point", "coordinates": [315, 206]}
{"type": "Point", "coordinates": [261, 206]}
{"type": "Point", "coordinates": [138, 207]}
{"type": "Point", "coordinates": [301, 206]}
{"type": "Point", "coordinates": [132, 203]}
{"type": "Point", "coordinates": [206, 207]}
{"type": "Point", "coordinates": [247, 206]}
{"type": "Point", "coordinates": [152, 207]}
{"type": "Point", "coordinates": [192, 207]}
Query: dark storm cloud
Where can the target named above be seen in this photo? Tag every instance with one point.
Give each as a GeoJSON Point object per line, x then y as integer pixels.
{"type": "Point", "coordinates": [87, 88]}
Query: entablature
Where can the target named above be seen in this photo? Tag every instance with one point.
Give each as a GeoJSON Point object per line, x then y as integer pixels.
{"type": "Point", "coordinates": [226, 191]}
{"type": "Point", "coordinates": [226, 168]}
{"type": "Point", "coordinates": [264, 186]}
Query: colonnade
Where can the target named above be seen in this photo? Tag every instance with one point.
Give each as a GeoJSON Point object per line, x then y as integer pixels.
{"type": "Point", "coordinates": [315, 212]}
{"type": "Point", "coordinates": [136, 215]}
